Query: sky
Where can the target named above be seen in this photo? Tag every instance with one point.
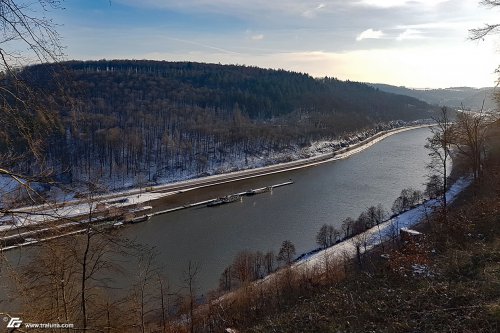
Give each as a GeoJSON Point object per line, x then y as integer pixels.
{"type": "Point", "coordinates": [412, 43]}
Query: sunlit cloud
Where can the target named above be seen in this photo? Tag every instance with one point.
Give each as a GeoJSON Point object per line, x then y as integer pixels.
{"type": "Point", "coordinates": [370, 34]}
{"type": "Point", "coordinates": [312, 36]}
{"type": "Point", "coordinates": [410, 34]}
{"type": "Point", "coordinates": [416, 67]}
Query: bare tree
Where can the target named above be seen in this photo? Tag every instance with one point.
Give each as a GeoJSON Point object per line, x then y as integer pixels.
{"type": "Point", "coordinates": [70, 276]}
{"type": "Point", "coordinates": [329, 263]}
{"type": "Point", "coordinates": [146, 274]}
{"type": "Point", "coordinates": [65, 286]}
{"type": "Point", "coordinates": [190, 277]}
{"type": "Point", "coordinates": [347, 226]}
{"type": "Point", "coordinates": [408, 198]}
{"type": "Point", "coordinates": [322, 236]}
{"type": "Point", "coordinates": [225, 280]}
{"type": "Point", "coordinates": [269, 262]}
{"type": "Point", "coordinates": [470, 137]}
{"type": "Point", "coordinates": [377, 214]}
{"type": "Point", "coordinates": [481, 33]}
{"type": "Point", "coordinates": [327, 236]}
{"type": "Point", "coordinates": [22, 29]}
{"type": "Point", "coordinates": [434, 187]}
{"type": "Point", "coordinates": [242, 268]}
{"type": "Point", "coordinates": [439, 146]}
{"type": "Point", "coordinates": [165, 296]}
{"type": "Point", "coordinates": [27, 37]}
{"type": "Point", "coordinates": [359, 241]}
{"type": "Point", "coordinates": [487, 29]}
{"type": "Point", "coordinates": [287, 252]}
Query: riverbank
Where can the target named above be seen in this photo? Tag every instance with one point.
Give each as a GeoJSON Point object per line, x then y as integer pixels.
{"type": "Point", "coordinates": [384, 232]}
{"type": "Point", "coordinates": [346, 250]}
{"type": "Point", "coordinates": [443, 279]}
{"type": "Point", "coordinates": [212, 237]}
{"type": "Point", "coordinates": [127, 200]}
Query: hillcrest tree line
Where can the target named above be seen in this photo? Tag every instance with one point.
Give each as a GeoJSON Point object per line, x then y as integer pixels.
{"type": "Point", "coordinates": [134, 122]}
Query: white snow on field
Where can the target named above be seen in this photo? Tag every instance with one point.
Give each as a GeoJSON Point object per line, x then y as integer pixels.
{"type": "Point", "coordinates": [373, 237]}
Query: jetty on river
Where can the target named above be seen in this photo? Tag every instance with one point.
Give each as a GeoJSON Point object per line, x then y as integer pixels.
{"type": "Point", "coordinates": [228, 199]}
{"type": "Point", "coordinates": [132, 216]}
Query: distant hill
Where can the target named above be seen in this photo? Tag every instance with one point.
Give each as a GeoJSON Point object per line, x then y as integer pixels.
{"type": "Point", "coordinates": [453, 97]}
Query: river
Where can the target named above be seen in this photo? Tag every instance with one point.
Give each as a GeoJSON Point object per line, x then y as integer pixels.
{"type": "Point", "coordinates": [327, 193]}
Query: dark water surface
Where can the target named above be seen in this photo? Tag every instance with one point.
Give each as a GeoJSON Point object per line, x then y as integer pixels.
{"type": "Point", "coordinates": [327, 193]}
{"type": "Point", "coordinates": [211, 237]}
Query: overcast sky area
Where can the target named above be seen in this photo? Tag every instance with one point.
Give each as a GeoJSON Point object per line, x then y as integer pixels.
{"type": "Point", "coordinates": [417, 43]}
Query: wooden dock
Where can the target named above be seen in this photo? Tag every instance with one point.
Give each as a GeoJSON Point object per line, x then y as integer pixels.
{"type": "Point", "coordinates": [70, 228]}
{"type": "Point", "coordinates": [206, 202]}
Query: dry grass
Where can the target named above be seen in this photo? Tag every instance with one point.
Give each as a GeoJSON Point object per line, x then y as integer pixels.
{"type": "Point", "coordinates": [460, 293]}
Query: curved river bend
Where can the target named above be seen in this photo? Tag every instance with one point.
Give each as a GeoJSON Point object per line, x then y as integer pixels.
{"type": "Point", "coordinates": [327, 193]}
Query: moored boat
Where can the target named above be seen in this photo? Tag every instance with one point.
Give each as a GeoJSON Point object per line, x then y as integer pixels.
{"type": "Point", "coordinates": [259, 190]}
{"type": "Point", "coordinates": [117, 224]}
{"type": "Point", "coordinates": [223, 200]}
{"type": "Point", "coordinates": [140, 219]}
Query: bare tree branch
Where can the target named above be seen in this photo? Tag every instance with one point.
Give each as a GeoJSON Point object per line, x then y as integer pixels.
{"type": "Point", "coordinates": [480, 33]}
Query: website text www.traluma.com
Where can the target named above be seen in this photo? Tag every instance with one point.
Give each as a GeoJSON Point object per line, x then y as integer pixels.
{"type": "Point", "coordinates": [16, 322]}
{"type": "Point", "coordinates": [46, 325]}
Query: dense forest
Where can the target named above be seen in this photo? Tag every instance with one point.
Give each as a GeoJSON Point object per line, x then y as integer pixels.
{"type": "Point", "coordinates": [132, 122]}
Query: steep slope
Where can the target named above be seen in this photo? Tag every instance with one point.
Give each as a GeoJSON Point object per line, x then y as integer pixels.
{"type": "Point", "coordinates": [150, 120]}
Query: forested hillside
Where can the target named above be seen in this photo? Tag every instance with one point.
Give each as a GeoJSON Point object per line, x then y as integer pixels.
{"type": "Point", "coordinates": [142, 121]}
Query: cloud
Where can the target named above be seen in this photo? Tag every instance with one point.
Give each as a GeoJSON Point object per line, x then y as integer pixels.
{"type": "Point", "coordinates": [311, 13]}
{"type": "Point", "coordinates": [370, 34]}
{"type": "Point", "coordinates": [271, 34]}
{"type": "Point", "coordinates": [412, 67]}
{"type": "Point", "coordinates": [410, 34]}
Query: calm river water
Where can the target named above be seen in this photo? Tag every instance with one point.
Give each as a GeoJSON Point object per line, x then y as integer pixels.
{"type": "Point", "coordinates": [327, 193]}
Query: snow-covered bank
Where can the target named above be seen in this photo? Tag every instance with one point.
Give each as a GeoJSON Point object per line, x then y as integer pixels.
{"type": "Point", "coordinates": [134, 197]}
{"type": "Point", "coordinates": [25, 217]}
{"type": "Point", "coordinates": [384, 232]}
{"type": "Point", "coordinates": [254, 160]}
{"type": "Point", "coordinates": [315, 261]}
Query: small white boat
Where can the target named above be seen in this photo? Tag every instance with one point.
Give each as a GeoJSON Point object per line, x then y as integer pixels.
{"type": "Point", "coordinates": [141, 219]}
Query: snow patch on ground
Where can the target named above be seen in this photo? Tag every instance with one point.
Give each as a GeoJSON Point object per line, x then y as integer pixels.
{"type": "Point", "coordinates": [36, 215]}
{"type": "Point", "coordinates": [373, 236]}
{"type": "Point", "coordinates": [252, 160]}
